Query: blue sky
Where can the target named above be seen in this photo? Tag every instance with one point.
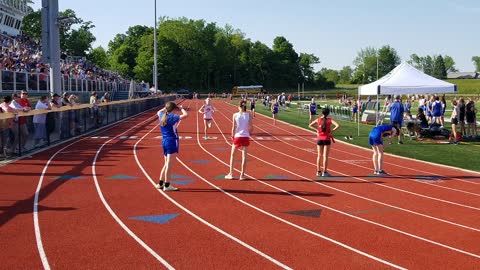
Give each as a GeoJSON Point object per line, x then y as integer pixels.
{"type": "Point", "coordinates": [332, 30]}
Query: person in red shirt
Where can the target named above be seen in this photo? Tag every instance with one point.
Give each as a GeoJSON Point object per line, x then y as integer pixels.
{"type": "Point", "coordinates": [324, 139]}
{"type": "Point", "coordinates": [22, 121]}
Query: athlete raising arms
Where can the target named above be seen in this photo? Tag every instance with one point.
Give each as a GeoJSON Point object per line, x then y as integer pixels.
{"type": "Point", "coordinates": [168, 126]}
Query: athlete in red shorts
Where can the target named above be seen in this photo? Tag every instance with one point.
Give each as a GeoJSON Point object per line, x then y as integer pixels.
{"type": "Point", "coordinates": [241, 128]}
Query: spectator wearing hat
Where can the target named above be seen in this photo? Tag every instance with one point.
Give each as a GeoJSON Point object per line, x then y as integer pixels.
{"type": "Point", "coordinates": [396, 116]}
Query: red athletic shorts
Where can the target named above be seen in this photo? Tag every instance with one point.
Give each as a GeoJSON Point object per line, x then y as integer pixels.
{"type": "Point", "coordinates": [241, 141]}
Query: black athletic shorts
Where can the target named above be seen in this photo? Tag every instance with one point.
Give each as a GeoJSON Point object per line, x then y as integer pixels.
{"type": "Point", "coordinates": [324, 142]}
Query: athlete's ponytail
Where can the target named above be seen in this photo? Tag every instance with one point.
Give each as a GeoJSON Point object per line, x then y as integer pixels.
{"type": "Point", "coordinates": [169, 107]}
{"type": "Point", "coordinates": [243, 105]}
{"type": "Point", "coordinates": [325, 113]}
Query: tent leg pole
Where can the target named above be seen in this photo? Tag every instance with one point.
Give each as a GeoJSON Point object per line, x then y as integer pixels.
{"type": "Point", "coordinates": [376, 112]}
{"type": "Point", "coordinates": [359, 109]}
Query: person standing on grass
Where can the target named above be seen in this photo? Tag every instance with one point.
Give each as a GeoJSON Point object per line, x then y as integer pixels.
{"type": "Point", "coordinates": [207, 110]}
{"type": "Point", "coordinates": [242, 127]}
{"type": "Point", "coordinates": [471, 117]}
{"type": "Point", "coordinates": [274, 108]}
{"type": "Point", "coordinates": [324, 139]}
{"type": "Point", "coordinates": [354, 111]}
{"type": "Point", "coordinates": [375, 139]}
{"type": "Point", "coordinates": [396, 115]}
{"type": "Point", "coordinates": [454, 120]}
{"type": "Point", "coordinates": [313, 110]}
{"type": "Point", "coordinates": [461, 115]}
{"type": "Point", "coordinates": [170, 144]}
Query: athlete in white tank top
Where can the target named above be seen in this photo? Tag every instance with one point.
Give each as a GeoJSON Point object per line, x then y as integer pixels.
{"type": "Point", "coordinates": [207, 110]}
{"type": "Point", "coordinates": [242, 120]}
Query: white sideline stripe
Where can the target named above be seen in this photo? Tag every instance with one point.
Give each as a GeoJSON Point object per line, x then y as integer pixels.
{"type": "Point", "coordinates": [112, 213]}
{"type": "Point", "coordinates": [198, 217]}
{"type": "Point", "coordinates": [356, 217]}
{"type": "Point", "coordinates": [278, 218]}
{"type": "Point", "coordinates": [385, 186]}
{"type": "Point", "coordinates": [36, 224]}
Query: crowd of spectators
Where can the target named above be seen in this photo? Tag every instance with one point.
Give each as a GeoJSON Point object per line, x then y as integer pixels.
{"type": "Point", "coordinates": [15, 131]}
{"type": "Point", "coordinates": [22, 54]}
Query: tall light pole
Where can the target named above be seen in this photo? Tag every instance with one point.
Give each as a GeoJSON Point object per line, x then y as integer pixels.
{"type": "Point", "coordinates": [51, 42]}
{"type": "Point", "coordinates": [155, 67]}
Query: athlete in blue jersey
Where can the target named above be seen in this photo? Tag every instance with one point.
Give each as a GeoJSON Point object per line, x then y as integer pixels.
{"type": "Point", "coordinates": [168, 127]}
{"type": "Point", "coordinates": [375, 139]}
{"type": "Point", "coordinates": [274, 109]}
{"type": "Point", "coordinates": [313, 110]}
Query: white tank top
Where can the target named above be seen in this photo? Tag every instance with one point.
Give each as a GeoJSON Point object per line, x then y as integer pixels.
{"type": "Point", "coordinates": [208, 109]}
{"type": "Point", "coordinates": [242, 119]}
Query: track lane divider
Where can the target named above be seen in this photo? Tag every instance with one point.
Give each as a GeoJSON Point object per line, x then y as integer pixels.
{"type": "Point", "coordinates": [235, 239]}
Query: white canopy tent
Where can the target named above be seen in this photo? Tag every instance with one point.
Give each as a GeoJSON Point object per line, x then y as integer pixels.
{"type": "Point", "coordinates": [405, 80]}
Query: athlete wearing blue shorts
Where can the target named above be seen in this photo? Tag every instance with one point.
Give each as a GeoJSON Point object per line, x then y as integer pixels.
{"type": "Point", "coordinates": [274, 110]}
{"type": "Point", "coordinates": [375, 139]}
{"type": "Point", "coordinates": [313, 109]}
{"type": "Point", "coordinates": [168, 126]}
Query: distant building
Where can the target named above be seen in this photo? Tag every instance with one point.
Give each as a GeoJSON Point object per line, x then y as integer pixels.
{"type": "Point", "coordinates": [463, 75]}
{"type": "Point", "coordinates": [11, 16]}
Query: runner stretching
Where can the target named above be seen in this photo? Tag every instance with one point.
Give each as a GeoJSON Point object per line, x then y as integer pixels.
{"type": "Point", "coordinates": [375, 139]}
{"type": "Point", "coordinates": [168, 127]}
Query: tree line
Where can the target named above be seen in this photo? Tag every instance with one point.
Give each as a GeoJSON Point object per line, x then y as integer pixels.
{"type": "Point", "coordinates": [198, 55]}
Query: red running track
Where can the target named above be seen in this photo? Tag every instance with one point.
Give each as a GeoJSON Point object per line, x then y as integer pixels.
{"type": "Point", "coordinates": [98, 207]}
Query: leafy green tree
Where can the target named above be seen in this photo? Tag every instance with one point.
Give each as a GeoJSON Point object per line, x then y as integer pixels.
{"type": "Point", "coordinates": [439, 70]}
{"type": "Point", "coordinates": [124, 49]}
{"type": "Point", "coordinates": [388, 59]}
{"type": "Point", "coordinates": [145, 60]}
{"type": "Point", "coordinates": [345, 75]}
{"type": "Point", "coordinates": [32, 25]}
{"type": "Point", "coordinates": [99, 57]}
{"type": "Point", "coordinates": [476, 62]}
{"type": "Point", "coordinates": [306, 62]}
{"type": "Point", "coordinates": [79, 41]}
{"type": "Point", "coordinates": [365, 66]}
{"type": "Point", "coordinates": [449, 64]}
{"type": "Point", "coordinates": [285, 63]}
{"type": "Point", "coordinates": [73, 41]}
{"type": "Point", "coordinates": [330, 75]}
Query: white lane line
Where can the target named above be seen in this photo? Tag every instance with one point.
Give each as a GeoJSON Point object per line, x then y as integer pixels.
{"type": "Point", "coordinates": [379, 184]}
{"type": "Point", "coordinates": [279, 218]}
{"type": "Point", "coordinates": [392, 155]}
{"type": "Point", "coordinates": [112, 213]}
{"type": "Point", "coordinates": [350, 215]}
{"type": "Point", "coordinates": [365, 198]}
{"type": "Point", "coordinates": [397, 165]}
{"type": "Point", "coordinates": [278, 263]}
{"type": "Point", "coordinates": [36, 224]}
